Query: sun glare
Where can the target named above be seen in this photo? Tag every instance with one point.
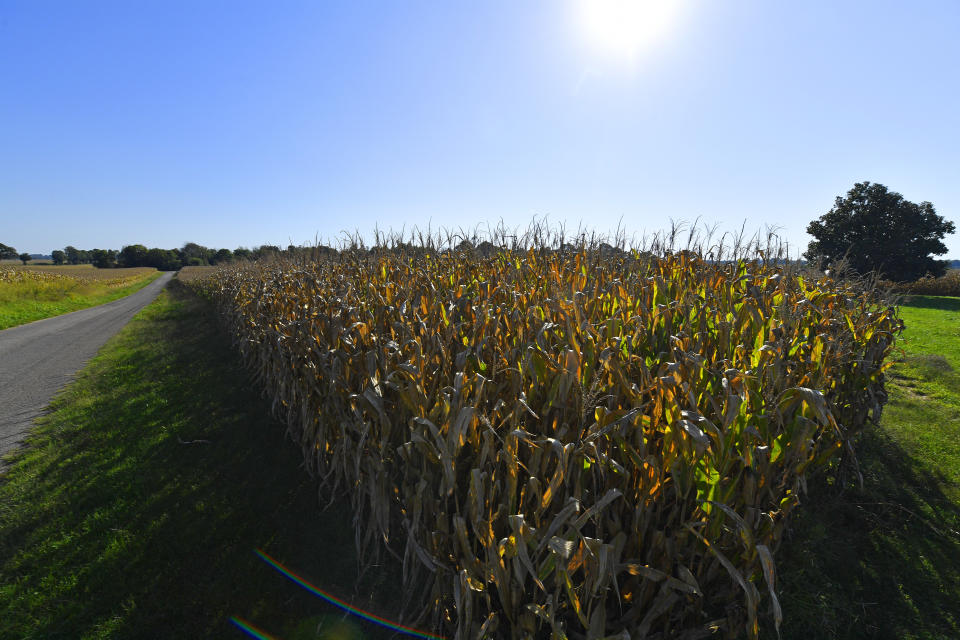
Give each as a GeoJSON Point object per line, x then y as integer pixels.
{"type": "Point", "coordinates": [624, 28]}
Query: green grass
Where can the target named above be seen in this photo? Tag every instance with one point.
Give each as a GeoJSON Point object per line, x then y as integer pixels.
{"type": "Point", "coordinates": [884, 561]}
{"type": "Point", "coordinates": [111, 527]}
{"type": "Point", "coordinates": [28, 302]}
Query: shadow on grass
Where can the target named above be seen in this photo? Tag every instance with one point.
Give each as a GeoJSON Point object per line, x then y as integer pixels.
{"type": "Point", "coordinates": [932, 302]}
{"type": "Point", "coordinates": [136, 507]}
{"type": "Point", "coordinates": [881, 562]}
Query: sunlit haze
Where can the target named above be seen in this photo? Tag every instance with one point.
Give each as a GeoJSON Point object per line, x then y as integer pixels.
{"type": "Point", "coordinates": [240, 124]}
{"type": "Point", "coordinates": [626, 28]}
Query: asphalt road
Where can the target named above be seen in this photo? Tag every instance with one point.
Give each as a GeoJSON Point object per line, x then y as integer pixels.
{"type": "Point", "coordinates": [40, 358]}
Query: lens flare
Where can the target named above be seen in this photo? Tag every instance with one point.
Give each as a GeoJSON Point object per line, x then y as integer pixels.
{"type": "Point", "coordinates": [251, 630]}
{"type": "Point", "coordinates": [366, 615]}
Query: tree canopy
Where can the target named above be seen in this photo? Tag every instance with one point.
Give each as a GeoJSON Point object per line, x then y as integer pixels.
{"type": "Point", "coordinates": [876, 229]}
{"type": "Point", "coordinates": [103, 258]}
{"type": "Point", "coordinates": [133, 255]}
{"type": "Point", "coordinates": [8, 253]}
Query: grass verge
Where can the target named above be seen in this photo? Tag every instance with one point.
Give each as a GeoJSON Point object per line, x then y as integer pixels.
{"type": "Point", "coordinates": [883, 561]}
{"type": "Point", "coordinates": [27, 302]}
{"type": "Point", "coordinates": [112, 526]}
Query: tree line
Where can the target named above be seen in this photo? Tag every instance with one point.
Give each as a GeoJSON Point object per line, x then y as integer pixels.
{"type": "Point", "coordinates": [872, 229]}
{"type": "Point", "coordinates": [138, 255]}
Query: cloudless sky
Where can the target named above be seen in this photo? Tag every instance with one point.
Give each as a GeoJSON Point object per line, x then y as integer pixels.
{"type": "Point", "coordinates": [231, 123]}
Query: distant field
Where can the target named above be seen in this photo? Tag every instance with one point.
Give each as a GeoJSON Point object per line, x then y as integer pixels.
{"type": "Point", "coordinates": [947, 285]}
{"type": "Point", "coordinates": [34, 292]}
{"type": "Point", "coordinates": [189, 274]}
{"type": "Point", "coordinates": [7, 263]}
{"type": "Point", "coordinates": [84, 271]}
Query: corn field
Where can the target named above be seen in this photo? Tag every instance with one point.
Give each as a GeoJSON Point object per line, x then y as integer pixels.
{"type": "Point", "coordinates": [946, 285]}
{"type": "Point", "coordinates": [576, 443]}
{"type": "Point", "coordinates": [21, 276]}
{"type": "Point", "coordinates": [83, 274]}
{"type": "Point", "coordinates": [190, 274]}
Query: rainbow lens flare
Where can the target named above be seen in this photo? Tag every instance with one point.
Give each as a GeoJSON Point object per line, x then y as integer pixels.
{"type": "Point", "coordinates": [253, 632]}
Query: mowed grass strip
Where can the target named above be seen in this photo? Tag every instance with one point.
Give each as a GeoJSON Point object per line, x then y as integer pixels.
{"type": "Point", "coordinates": [30, 300]}
{"type": "Point", "coordinates": [136, 507]}
{"type": "Point", "coordinates": [884, 561]}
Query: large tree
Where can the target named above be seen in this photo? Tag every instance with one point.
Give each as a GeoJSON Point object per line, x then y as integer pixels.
{"type": "Point", "coordinates": [104, 258]}
{"type": "Point", "coordinates": [876, 229]}
{"type": "Point", "coordinates": [163, 259]}
{"type": "Point", "coordinates": [8, 253]}
{"type": "Point", "coordinates": [197, 254]}
{"type": "Point", "coordinates": [133, 255]}
{"type": "Point", "coordinates": [222, 256]}
{"type": "Point", "coordinates": [73, 254]}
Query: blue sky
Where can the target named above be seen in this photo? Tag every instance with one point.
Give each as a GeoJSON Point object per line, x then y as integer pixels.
{"type": "Point", "coordinates": [229, 124]}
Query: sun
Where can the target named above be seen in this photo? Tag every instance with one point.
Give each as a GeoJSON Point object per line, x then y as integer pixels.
{"type": "Point", "coordinates": [624, 28]}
